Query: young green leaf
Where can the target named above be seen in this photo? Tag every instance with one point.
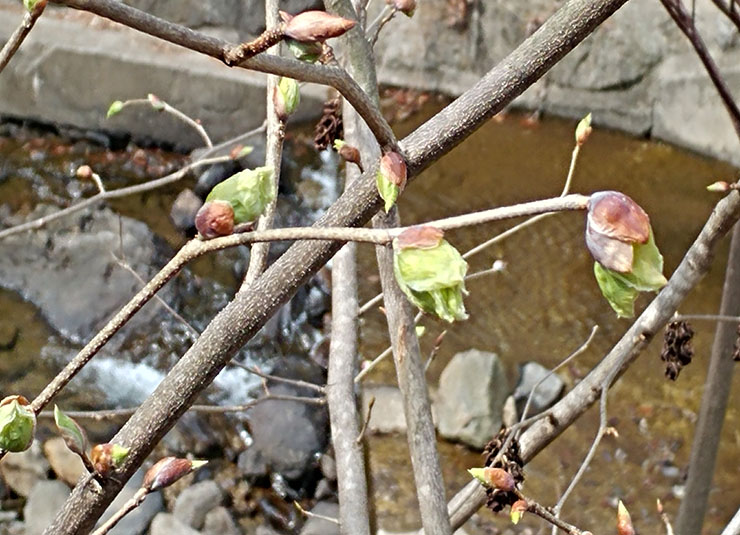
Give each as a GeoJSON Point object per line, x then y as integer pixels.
{"type": "Point", "coordinates": [115, 108]}
{"type": "Point", "coordinates": [286, 98]}
{"type": "Point", "coordinates": [74, 436]}
{"type": "Point", "coordinates": [388, 191]}
{"type": "Point", "coordinates": [249, 192]}
{"type": "Point", "coordinates": [308, 52]}
{"type": "Point", "coordinates": [17, 424]}
{"type": "Point", "coordinates": [620, 294]}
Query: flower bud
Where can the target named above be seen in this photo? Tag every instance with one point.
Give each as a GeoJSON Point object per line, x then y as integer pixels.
{"type": "Point", "coordinates": [496, 478]}
{"type": "Point", "coordinates": [313, 26]}
{"type": "Point", "coordinates": [73, 434]}
{"type": "Point", "coordinates": [391, 178]}
{"type": "Point", "coordinates": [249, 192]}
{"type": "Point", "coordinates": [518, 508]}
{"type": "Point", "coordinates": [168, 470]}
{"type": "Point", "coordinates": [348, 153]}
{"type": "Point", "coordinates": [286, 97]}
{"type": "Point", "coordinates": [624, 522]}
{"type": "Point", "coordinates": [431, 272]}
{"type": "Point", "coordinates": [583, 130]}
{"type": "Point", "coordinates": [17, 424]}
{"type": "Point", "coordinates": [619, 236]}
{"type": "Point", "coordinates": [407, 7]}
{"type": "Point", "coordinates": [107, 457]}
{"type": "Point", "coordinates": [215, 218]}
{"type": "Point", "coordinates": [84, 172]}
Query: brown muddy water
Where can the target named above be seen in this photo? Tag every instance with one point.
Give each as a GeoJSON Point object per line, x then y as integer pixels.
{"type": "Point", "coordinates": [540, 307]}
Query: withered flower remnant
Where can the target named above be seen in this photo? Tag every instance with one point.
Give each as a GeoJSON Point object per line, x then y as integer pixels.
{"type": "Point", "coordinates": [315, 26]}
{"type": "Point", "coordinates": [17, 424]}
{"type": "Point", "coordinates": [431, 272]}
{"type": "Point", "coordinates": [619, 236]}
{"type": "Point", "coordinates": [677, 350]}
{"type": "Point", "coordinates": [214, 219]}
{"type": "Point", "coordinates": [168, 470]}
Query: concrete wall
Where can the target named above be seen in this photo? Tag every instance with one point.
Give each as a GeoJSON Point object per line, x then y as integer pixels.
{"type": "Point", "coordinates": [637, 73]}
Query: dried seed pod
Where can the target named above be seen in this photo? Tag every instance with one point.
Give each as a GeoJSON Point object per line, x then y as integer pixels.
{"type": "Point", "coordinates": [313, 26]}
{"type": "Point", "coordinates": [168, 470]}
{"type": "Point", "coordinates": [677, 350]}
{"type": "Point", "coordinates": [215, 218]}
{"type": "Point", "coordinates": [330, 126]}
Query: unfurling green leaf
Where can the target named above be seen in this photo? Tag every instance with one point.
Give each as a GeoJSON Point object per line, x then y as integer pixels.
{"type": "Point", "coordinates": [17, 424]}
{"type": "Point", "coordinates": [115, 108]}
{"type": "Point", "coordinates": [621, 289]}
{"type": "Point", "coordinates": [308, 52]}
{"type": "Point", "coordinates": [286, 98]}
{"type": "Point", "coordinates": [249, 192]}
{"type": "Point", "coordinates": [433, 278]}
{"type": "Point", "coordinates": [74, 436]}
{"type": "Point", "coordinates": [388, 190]}
{"type": "Point", "coordinates": [518, 508]}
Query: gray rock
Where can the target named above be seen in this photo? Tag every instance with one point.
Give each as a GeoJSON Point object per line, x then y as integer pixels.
{"type": "Point", "coordinates": [21, 471]}
{"type": "Point", "coordinates": [288, 435]}
{"type": "Point", "coordinates": [168, 524]}
{"type": "Point", "coordinates": [138, 520]}
{"type": "Point", "coordinates": [195, 501]}
{"type": "Point", "coordinates": [546, 394]}
{"type": "Point", "coordinates": [387, 415]}
{"type": "Point", "coordinates": [66, 465]}
{"type": "Point", "coordinates": [266, 530]}
{"type": "Point", "coordinates": [471, 395]}
{"type": "Point", "coordinates": [220, 522]}
{"type": "Point", "coordinates": [184, 208]}
{"type": "Point", "coordinates": [319, 526]}
{"type": "Point", "coordinates": [45, 499]}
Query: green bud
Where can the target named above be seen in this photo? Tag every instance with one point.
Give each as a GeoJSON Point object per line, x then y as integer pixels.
{"type": "Point", "coordinates": [621, 289]}
{"type": "Point", "coordinates": [583, 130]}
{"type": "Point", "coordinates": [249, 192]}
{"type": "Point", "coordinates": [286, 97]}
{"type": "Point", "coordinates": [431, 275]}
{"type": "Point", "coordinates": [308, 52]}
{"type": "Point", "coordinates": [32, 5]}
{"type": "Point", "coordinates": [74, 436]}
{"type": "Point", "coordinates": [391, 178]}
{"type": "Point", "coordinates": [17, 424]}
{"type": "Point", "coordinates": [115, 108]}
{"type": "Point", "coordinates": [168, 470]}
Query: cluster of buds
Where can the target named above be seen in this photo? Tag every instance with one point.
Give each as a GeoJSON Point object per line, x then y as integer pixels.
{"type": "Point", "coordinates": [619, 237]}
{"type": "Point", "coordinates": [17, 424]}
{"type": "Point", "coordinates": [241, 198]}
{"type": "Point", "coordinates": [168, 470]}
{"type": "Point", "coordinates": [391, 178]}
{"type": "Point", "coordinates": [314, 26]}
{"type": "Point", "coordinates": [286, 97]}
{"type": "Point", "coordinates": [431, 272]}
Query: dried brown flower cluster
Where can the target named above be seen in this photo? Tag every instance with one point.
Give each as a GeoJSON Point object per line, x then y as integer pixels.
{"type": "Point", "coordinates": [511, 462]}
{"type": "Point", "coordinates": [677, 350]}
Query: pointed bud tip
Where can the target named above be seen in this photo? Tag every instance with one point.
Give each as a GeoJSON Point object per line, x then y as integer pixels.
{"type": "Point", "coordinates": [312, 26]}
{"type": "Point", "coordinates": [719, 187]}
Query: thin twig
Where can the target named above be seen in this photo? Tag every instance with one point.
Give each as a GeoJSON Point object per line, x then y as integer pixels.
{"type": "Point", "coordinates": [383, 18]}
{"type": "Point", "coordinates": [366, 421]}
{"type": "Point", "coordinates": [309, 514]}
{"type": "Point", "coordinates": [707, 317]}
{"type": "Point", "coordinates": [108, 195]}
{"type": "Point", "coordinates": [381, 357]}
{"type": "Point", "coordinates": [162, 106]}
{"type": "Point", "coordinates": [664, 517]}
{"type": "Point", "coordinates": [127, 507]}
{"type": "Point", "coordinates": [276, 378]}
{"type": "Point", "coordinates": [729, 12]}
{"type": "Point", "coordinates": [20, 34]}
{"type": "Point", "coordinates": [212, 46]}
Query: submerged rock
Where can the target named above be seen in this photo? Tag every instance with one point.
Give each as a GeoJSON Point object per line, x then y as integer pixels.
{"type": "Point", "coordinates": [138, 520]}
{"type": "Point", "coordinates": [196, 501]}
{"type": "Point", "coordinates": [546, 393]}
{"type": "Point", "coordinates": [471, 396]}
{"type": "Point", "coordinates": [169, 524]}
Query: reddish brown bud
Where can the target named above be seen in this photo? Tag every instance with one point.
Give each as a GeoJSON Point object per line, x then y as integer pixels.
{"type": "Point", "coordinates": [499, 478]}
{"type": "Point", "coordinates": [312, 26]}
{"type": "Point", "coordinates": [215, 218]}
{"type": "Point", "coordinates": [84, 172]}
{"type": "Point", "coordinates": [351, 154]}
{"type": "Point", "coordinates": [10, 399]}
{"type": "Point", "coordinates": [168, 470]}
{"type": "Point", "coordinates": [106, 457]}
{"type": "Point", "coordinates": [624, 522]}
{"type": "Point", "coordinates": [406, 7]}
{"type": "Point", "coordinates": [393, 168]}
{"type": "Point", "coordinates": [420, 237]}
{"type": "Point", "coordinates": [518, 508]}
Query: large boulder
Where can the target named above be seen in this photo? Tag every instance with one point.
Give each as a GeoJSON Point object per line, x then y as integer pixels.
{"type": "Point", "coordinates": [44, 501]}
{"type": "Point", "coordinates": [471, 395]}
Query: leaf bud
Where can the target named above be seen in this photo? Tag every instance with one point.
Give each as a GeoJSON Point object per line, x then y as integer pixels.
{"type": "Point", "coordinates": [407, 7]}
{"type": "Point", "coordinates": [313, 26]}
{"type": "Point", "coordinates": [249, 192]}
{"type": "Point", "coordinates": [719, 187]}
{"type": "Point", "coordinates": [17, 424]}
{"type": "Point", "coordinates": [583, 130]}
{"type": "Point", "coordinates": [391, 178]}
{"type": "Point", "coordinates": [518, 508]}
{"type": "Point", "coordinates": [73, 434]}
{"type": "Point", "coordinates": [624, 522]}
{"type": "Point", "coordinates": [286, 97]}
{"type": "Point", "coordinates": [34, 5]}
{"type": "Point", "coordinates": [168, 470]}
{"type": "Point", "coordinates": [84, 172]}
{"type": "Point", "coordinates": [308, 52]}
{"type": "Point", "coordinates": [214, 219]}
{"type": "Point", "coordinates": [496, 478]}
{"type": "Point", "coordinates": [107, 457]}
{"type": "Point", "coordinates": [348, 153]}
{"type": "Point", "coordinates": [156, 102]}
{"type": "Point", "coordinates": [115, 108]}
{"type": "Point", "coordinates": [431, 272]}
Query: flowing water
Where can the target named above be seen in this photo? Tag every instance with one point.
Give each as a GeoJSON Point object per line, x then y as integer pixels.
{"type": "Point", "coordinates": [540, 306]}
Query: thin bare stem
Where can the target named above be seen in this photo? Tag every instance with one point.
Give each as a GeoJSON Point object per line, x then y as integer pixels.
{"type": "Point", "coordinates": [309, 514]}
{"type": "Point", "coordinates": [707, 317]}
{"type": "Point", "coordinates": [383, 18]}
{"type": "Point", "coordinates": [108, 195]}
{"type": "Point", "coordinates": [729, 12]}
{"type": "Point", "coordinates": [135, 501]}
{"type": "Point", "coordinates": [162, 106]}
{"type": "Point", "coordinates": [664, 518]}
{"type": "Point", "coordinates": [20, 34]}
{"type": "Point", "coordinates": [541, 511]}
{"type": "Point", "coordinates": [381, 357]}
{"type": "Point", "coordinates": [212, 46]}
{"type": "Point", "coordinates": [276, 378]}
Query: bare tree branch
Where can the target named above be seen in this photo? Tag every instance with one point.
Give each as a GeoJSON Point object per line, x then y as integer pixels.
{"type": "Point", "coordinates": [20, 34]}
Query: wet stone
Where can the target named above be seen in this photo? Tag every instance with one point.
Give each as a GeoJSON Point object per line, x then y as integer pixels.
{"type": "Point", "coordinates": [546, 393]}
{"type": "Point", "coordinates": [45, 499]}
{"type": "Point", "coordinates": [319, 526]}
{"type": "Point", "coordinates": [220, 522]}
{"type": "Point", "coordinates": [196, 501]}
{"type": "Point", "coordinates": [168, 524]}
